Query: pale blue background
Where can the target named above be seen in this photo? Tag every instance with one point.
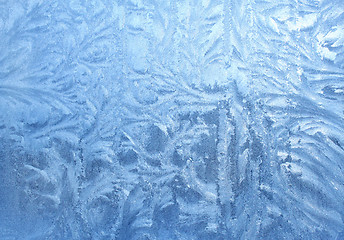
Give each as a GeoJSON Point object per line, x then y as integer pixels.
{"type": "Point", "coordinates": [180, 119]}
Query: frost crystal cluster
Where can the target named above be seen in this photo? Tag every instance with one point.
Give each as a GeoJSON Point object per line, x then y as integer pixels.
{"type": "Point", "coordinates": [171, 119]}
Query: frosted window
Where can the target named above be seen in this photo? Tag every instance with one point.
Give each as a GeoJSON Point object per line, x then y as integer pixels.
{"type": "Point", "coordinates": [171, 119]}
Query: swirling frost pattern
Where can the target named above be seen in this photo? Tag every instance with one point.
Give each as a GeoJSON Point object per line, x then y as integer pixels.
{"type": "Point", "coordinates": [151, 119]}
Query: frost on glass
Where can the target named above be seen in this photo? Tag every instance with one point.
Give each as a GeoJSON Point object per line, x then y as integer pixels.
{"type": "Point", "coordinates": [152, 119]}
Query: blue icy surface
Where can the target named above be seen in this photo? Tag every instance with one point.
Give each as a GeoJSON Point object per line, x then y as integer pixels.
{"type": "Point", "coordinates": [171, 119]}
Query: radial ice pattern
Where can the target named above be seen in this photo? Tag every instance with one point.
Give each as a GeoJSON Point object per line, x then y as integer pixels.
{"type": "Point", "coordinates": [155, 119]}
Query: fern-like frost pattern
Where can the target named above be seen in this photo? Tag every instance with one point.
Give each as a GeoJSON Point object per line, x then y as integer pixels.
{"type": "Point", "coordinates": [152, 119]}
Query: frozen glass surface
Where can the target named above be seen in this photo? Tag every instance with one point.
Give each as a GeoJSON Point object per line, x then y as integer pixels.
{"type": "Point", "coordinates": [171, 119]}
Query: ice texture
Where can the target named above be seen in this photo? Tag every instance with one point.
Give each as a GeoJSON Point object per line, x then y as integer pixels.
{"type": "Point", "coordinates": [171, 119]}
